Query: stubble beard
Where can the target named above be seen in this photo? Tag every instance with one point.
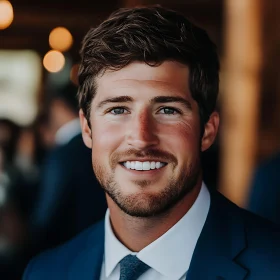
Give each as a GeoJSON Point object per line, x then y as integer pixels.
{"type": "Point", "coordinates": [148, 204]}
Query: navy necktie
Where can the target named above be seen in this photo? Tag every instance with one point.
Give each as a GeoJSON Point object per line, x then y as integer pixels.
{"type": "Point", "coordinates": [132, 268]}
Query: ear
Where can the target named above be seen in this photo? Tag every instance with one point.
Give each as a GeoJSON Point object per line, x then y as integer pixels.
{"type": "Point", "coordinates": [210, 131]}
{"type": "Point", "coordinates": [86, 131]}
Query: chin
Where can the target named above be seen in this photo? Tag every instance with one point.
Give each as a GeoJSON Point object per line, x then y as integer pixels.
{"type": "Point", "coordinates": [142, 205]}
{"type": "Point", "coordinates": [147, 204]}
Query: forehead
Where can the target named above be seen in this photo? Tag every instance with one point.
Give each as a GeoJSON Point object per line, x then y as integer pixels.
{"type": "Point", "coordinates": [138, 76]}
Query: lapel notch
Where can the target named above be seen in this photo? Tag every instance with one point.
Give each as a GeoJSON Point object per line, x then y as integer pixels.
{"type": "Point", "coordinates": [220, 243]}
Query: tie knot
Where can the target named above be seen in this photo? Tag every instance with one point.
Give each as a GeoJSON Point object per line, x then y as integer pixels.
{"type": "Point", "coordinates": [132, 268]}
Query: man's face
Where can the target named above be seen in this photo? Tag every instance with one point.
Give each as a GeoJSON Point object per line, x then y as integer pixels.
{"type": "Point", "coordinates": [145, 137]}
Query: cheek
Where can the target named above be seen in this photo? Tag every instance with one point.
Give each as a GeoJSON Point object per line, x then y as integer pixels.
{"type": "Point", "coordinates": [182, 137]}
{"type": "Point", "coordinates": [105, 137]}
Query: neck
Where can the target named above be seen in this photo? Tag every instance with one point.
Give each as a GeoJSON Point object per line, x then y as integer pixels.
{"type": "Point", "coordinates": [136, 232]}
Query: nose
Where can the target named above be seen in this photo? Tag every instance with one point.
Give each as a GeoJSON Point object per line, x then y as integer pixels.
{"type": "Point", "coordinates": [142, 132]}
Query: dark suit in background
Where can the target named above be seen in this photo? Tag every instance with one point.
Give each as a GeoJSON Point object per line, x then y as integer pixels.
{"type": "Point", "coordinates": [234, 245]}
{"type": "Point", "coordinates": [264, 198]}
{"type": "Point", "coordinates": [70, 198]}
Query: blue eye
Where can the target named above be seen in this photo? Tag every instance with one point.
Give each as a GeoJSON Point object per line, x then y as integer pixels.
{"type": "Point", "coordinates": [169, 111]}
{"type": "Point", "coordinates": [118, 111]}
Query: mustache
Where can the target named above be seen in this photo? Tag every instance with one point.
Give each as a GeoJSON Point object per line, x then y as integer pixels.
{"type": "Point", "coordinates": [156, 154]}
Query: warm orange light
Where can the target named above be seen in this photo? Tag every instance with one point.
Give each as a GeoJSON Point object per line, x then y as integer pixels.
{"type": "Point", "coordinates": [60, 39]}
{"type": "Point", "coordinates": [54, 61]}
{"type": "Point", "coordinates": [6, 14]}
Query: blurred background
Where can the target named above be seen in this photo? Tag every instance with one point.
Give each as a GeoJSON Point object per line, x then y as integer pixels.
{"type": "Point", "coordinates": [45, 196]}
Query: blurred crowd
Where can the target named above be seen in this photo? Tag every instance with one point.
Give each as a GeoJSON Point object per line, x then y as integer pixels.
{"type": "Point", "coordinates": [48, 192]}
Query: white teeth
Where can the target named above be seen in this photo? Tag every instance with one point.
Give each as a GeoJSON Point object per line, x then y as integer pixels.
{"type": "Point", "coordinates": [132, 165]}
{"type": "Point", "coordinates": [147, 165]}
{"type": "Point", "coordinates": [157, 165]}
{"type": "Point", "coordinates": [138, 165]}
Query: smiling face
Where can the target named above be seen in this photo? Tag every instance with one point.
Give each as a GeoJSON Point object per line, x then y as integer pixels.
{"type": "Point", "coordinates": [145, 137]}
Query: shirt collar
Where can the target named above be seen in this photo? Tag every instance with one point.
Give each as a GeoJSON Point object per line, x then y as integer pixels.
{"type": "Point", "coordinates": [68, 131]}
{"type": "Point", "coordinates": [115, 251]}
{"type": "Point", "coordinates": [166, 254]}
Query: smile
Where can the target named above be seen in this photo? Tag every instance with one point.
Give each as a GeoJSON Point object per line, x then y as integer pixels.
{"type": "Point", "coordinates": [146, 165]}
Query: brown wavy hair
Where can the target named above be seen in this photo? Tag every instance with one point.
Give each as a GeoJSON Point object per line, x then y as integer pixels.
{"type": "Point", "coordinates": [151, 35]}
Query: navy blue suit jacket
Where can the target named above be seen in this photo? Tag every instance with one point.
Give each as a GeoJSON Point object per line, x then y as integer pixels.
{"type": "Point", "coordinates": [234, 245]}
{"type": "Point", "coordinates": [70, 197]}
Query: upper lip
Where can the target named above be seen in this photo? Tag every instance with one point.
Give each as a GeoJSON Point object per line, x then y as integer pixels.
{"type": "Point", "coordinates": [144, 159]}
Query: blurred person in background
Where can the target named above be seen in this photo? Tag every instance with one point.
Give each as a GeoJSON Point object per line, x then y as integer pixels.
{"type": "Point", "coordinates": [69, 197]}
{"type": "Point", "coordinates": [14, 205]}
{"type": "Point", "coordinates": [9, 134]}
{"type": "Point", "coordinates": [149, 81]}
{"type": "Point", "coordinates": [14, 250]}
{"type": "Point", "coordinates": [264, 196]}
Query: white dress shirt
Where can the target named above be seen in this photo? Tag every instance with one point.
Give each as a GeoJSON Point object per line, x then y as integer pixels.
{"type": "Point", "coordinates": [170, 255]}
{"type": "Point", "coordinates": [67, 132]}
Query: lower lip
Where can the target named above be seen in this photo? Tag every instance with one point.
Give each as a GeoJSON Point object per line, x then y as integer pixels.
{"type": "Point", "coordinates": [143, 172]}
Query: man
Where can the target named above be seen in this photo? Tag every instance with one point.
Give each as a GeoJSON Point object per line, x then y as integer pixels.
{"type": "Point", "coordinates": [69, 196]}
{"type": "Point", "coordinates": [148, 89]}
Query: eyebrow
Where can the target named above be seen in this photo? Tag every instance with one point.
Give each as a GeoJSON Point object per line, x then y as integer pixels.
{"type": "Point", "coordinates": [157, 99]}
{"type": "Point", "coordinates": [167, 99]}
{"type": "Point", "coordinates": [117, 99]}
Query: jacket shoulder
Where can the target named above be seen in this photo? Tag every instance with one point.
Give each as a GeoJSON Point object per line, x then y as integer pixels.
{"type": "Point", "coordinates": [55, 263]}
{"type": "Point", "coordinates": [261, 234]}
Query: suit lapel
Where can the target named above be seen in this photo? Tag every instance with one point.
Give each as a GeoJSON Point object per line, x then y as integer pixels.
{"type": "Point", "coordinates": [87, 265]}
{"type": "Point", "coordinates": [215, 257]}
{"type": "Point", "coordinates": [221, 241]}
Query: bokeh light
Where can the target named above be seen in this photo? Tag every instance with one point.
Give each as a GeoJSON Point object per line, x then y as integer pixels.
{"type": "Point", "coordinates": [6, 14]}
{"type": "Point", "coordinates": [60, 39]}
{"type": "Point", "coordinates": [54, 61]}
